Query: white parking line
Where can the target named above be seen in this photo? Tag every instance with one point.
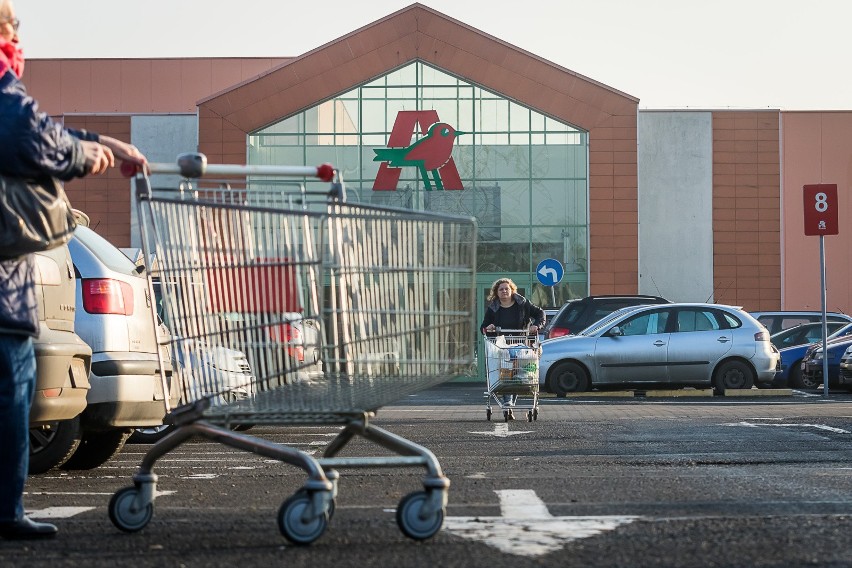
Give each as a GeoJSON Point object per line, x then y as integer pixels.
{"type": "Point", "coordinates": [57, 512]}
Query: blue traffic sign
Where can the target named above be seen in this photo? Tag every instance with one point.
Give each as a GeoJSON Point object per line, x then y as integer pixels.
{"type": "Point", "coordinates": [549, 271]}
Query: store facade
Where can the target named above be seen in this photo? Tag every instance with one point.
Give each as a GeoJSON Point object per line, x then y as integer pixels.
{"type": "Point", "coordinates": [694, 205]}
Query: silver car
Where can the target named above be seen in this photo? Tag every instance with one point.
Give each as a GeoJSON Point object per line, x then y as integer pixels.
{"type": "Point", "coordinates": [114, 317]}
{"type": "Point", "coordinates": [681, 344]}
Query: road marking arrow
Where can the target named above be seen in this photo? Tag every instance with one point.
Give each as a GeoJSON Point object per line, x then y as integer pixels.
{"type": "Point", "coordinates": [792, 425]}
{"type": "Point", "coordinates": [526, 528]}
{"type": "Point", "coordinates": [502, 431]}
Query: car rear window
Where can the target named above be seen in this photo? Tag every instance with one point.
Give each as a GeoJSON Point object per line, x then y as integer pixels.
{"type": "Point", "coordinates": [105, 251]}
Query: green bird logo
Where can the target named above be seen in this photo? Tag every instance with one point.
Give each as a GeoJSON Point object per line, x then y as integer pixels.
{"type": "Point", "coordinates": [427, 154]}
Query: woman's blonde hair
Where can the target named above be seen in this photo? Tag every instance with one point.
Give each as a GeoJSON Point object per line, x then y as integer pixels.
{"type": "Point", "coordinates": [6, 8]}
{"type": "Point", "coordinates": [493, 295]}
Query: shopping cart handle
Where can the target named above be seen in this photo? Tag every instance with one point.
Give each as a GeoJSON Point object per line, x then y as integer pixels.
{"type": "Point", "coordinates": [194, 165]}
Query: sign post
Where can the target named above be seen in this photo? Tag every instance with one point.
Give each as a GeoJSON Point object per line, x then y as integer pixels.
{"type": "Point", "coordinates": [820, 206]}
{"type": "Point", "coordinates": [549, 272]}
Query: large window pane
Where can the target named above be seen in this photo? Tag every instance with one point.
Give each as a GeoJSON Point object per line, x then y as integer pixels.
{"type": "Point", "coordinates": [525, 175]}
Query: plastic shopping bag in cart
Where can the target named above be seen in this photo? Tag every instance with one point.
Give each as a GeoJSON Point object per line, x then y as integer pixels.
{"type": "Point", "coordinates": [524, 363]}
{"type": "Point", "coordinates": [497, 359]}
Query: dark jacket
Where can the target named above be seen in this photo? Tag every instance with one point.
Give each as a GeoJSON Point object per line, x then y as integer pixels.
{"type": "Point", "coordinates": [529, 312]}
{"type": "Point", "coordinates": [31, 145]}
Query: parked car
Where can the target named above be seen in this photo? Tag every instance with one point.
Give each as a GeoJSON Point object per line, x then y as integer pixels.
{"type": "Point", "coordinates": [844, 378]}
{"type": "Point", "coordinates": [63, 361]}
{"type": "Point", "coordinates": [577, 315]}
{"type": "Point", "coordinates": [790, 373]}
{"type": "Point", "coordinates": [812, 363]}
{"type": "Point", "coordinates": [706, 344]}
{"type": "Point", "coordinates": [113, 315]}
{"type": "Point", "coordinates": [222, 374]}
{"type": "Point", "coordinates": [804, 333]}
{"type": "Point", "coordinates": [778, 321]}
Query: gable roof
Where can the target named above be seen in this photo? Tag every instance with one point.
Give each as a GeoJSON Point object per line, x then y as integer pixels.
{"type": "Point", "coordinates": [410, 34]}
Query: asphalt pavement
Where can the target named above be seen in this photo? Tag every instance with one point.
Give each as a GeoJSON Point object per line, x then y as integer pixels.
{"type": "Point", "coordinates": [602, 480]}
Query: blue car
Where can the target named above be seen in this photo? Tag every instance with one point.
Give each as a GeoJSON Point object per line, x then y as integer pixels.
{"type": "Point", "coordinates": [791, 357]}
{"type": "Point", "coordinates": [812, 364]}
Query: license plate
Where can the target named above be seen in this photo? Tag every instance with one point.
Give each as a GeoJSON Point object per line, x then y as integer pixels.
{"type": "Point", "coordinates": [79, 377]}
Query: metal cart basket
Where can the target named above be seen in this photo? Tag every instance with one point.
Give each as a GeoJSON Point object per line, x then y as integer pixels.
{"type": "Point", "coordinates": [340, 307]}
{"type": "Point", "coordinates": [511, 362]}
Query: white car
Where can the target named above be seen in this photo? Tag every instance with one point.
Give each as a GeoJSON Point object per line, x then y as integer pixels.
{"type": "Point", "coordinates": [707, 344]}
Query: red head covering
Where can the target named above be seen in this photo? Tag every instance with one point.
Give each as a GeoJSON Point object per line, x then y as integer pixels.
{"type": "Point", "coordinates": [11, 57]}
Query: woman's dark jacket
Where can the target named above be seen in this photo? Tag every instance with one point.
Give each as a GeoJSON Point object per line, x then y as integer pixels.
{"type": "Point", "coordinates": [529, 313]}
{"type": "Point", "coordinates": [31, 145]}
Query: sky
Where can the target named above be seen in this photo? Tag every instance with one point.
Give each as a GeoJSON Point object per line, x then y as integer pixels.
{"type": "Point", "coordinates": [670, 54]}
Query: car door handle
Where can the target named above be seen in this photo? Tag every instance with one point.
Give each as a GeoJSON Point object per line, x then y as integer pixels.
{"type": "Point", "coordinates": [659, 343]}
{"type": "Point", "coordinates": [723, 339]}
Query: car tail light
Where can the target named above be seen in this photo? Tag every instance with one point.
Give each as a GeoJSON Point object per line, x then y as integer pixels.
{"type": "Point", "coordinates": [288, 333]}
{"type": "Point", "coordinates": [105, 296]}
{"type": "Point", "coordinates": [558, 332]}
{"type": "Point", "coordinates": [284, 333]}
{"type": "Point", "coordinates": [761, 336]}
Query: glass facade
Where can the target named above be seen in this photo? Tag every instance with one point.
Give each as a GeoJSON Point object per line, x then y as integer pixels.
{"type": "Point", "coordinates": [524, 175]}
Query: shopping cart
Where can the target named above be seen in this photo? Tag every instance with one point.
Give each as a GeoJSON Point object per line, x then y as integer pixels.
{"type": "Point", "coordinates": [253, 265]}
{"type": "Point", "coordinates": [511, 363]}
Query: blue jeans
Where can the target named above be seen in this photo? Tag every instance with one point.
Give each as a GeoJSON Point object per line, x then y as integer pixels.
{"type": "Point", "coordinates": [17, 384]}
{"type": "Point", "coordinates": [510, 399]}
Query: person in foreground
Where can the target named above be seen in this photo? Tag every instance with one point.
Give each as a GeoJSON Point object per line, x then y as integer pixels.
{"type": "Point", "coordinates": [509, 310]}
{"type": "Point", "coordinates": [31, 146]}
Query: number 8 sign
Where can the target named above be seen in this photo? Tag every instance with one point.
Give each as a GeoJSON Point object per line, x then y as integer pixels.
{"type": "Point", "coordinates": [821, 209]}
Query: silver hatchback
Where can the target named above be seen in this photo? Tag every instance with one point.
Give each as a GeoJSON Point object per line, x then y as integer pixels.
{"type": "Point", "coordinates": [681, 344]}
{"type": "Point", "coordinates": [114, 316]}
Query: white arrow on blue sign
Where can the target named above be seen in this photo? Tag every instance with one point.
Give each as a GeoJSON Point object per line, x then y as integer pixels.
{"type": "Point", "coordinates": [549, 271]}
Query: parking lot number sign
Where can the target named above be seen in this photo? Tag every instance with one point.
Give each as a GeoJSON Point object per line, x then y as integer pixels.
{"type": "Point", "coordinates": [821, 209]}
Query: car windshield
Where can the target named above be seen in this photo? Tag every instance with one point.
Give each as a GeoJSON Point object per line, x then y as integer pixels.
{"type": "Point", "coordinates": [596, 327]}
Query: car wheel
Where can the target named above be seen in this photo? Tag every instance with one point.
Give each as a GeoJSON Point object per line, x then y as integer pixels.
{"type": "Point", "coordinates": [97, 448]}
{"type": "Point", "coordinates": [801, 381]}
{"type": "Point", "coordinates": [52, 444]}
{"type": "Point", "coordinates": [568, 377]}
{"type": "Point", "coordinates": [151, 434]}
{"type": "Point", "coordinates": [732, 374]}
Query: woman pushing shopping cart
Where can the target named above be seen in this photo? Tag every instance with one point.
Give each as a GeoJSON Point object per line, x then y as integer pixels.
{"type": "Point", "coordinates": [510, 326]}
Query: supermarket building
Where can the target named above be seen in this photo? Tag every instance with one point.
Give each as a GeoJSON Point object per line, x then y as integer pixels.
{"type": "Point", "coordinates": [697, 205]}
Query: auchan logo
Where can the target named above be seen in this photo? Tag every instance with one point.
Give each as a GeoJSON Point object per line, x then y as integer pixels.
{"type": "Point", "coordinates": [431, 154]}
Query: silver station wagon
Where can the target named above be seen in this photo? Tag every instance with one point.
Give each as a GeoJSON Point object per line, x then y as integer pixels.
{"type": "Point", "coordinates": [682, 344]}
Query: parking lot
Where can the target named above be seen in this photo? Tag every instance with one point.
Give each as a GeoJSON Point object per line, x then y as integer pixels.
{"type": "Point", "coordinates": [595, 481]}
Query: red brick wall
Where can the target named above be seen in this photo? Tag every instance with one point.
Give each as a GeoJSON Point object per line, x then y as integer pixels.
{"type": "Point", "coordinates": [613, 207]}
{"type": "Point", "coordinates": [104, 198]}
{"type": "Point", "coordinates": [747, 209]}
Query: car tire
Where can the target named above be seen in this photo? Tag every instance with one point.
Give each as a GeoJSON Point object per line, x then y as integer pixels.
{"type": "Point", "coordinates": [52, 445]}
{"type": "Point", "coordinates": [150, 435]}
{"type": "Point", "coordinates": [96, 448]}
{"type": "Point", "coordinates": [568, 377]}
{"type": "Point", "coordinates": [800, 381]}
{"type": "Point", "coordinates": [732, 374]}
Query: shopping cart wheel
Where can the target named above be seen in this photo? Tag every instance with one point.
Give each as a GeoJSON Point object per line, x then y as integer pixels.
{"type": "Point", "coordinates": [408, 517]}
{"type": "Point", "coordinates": [535, 414]}
{"type": "Point", "coordinates": [530, 416]}
{"type": "Point", "coordinates": [292, 524]}
{"type": "Point", "coordinates": [488, 414]}
{"type": "Point", "coordinates": [124, 515]}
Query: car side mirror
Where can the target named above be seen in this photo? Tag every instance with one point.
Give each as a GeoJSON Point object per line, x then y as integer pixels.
{"type": "Point", "coordinates": [615, 332]}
